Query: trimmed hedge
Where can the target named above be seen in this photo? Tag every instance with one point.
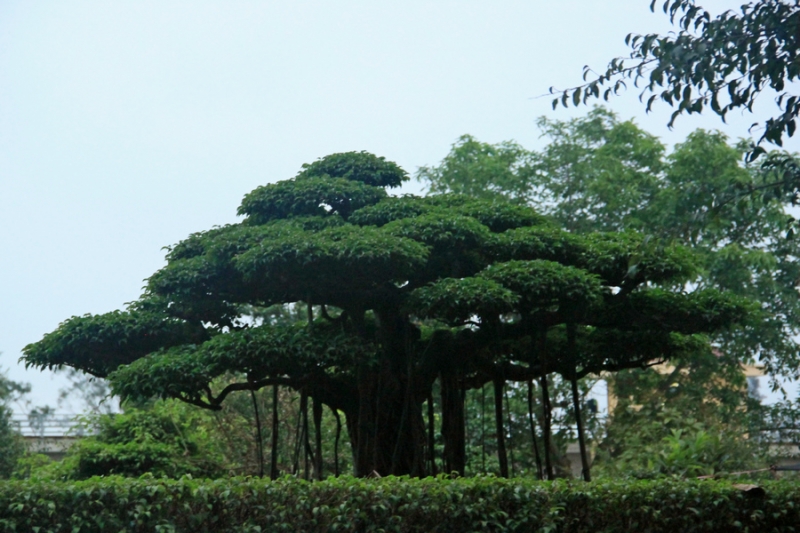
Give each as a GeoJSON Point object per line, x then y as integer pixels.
{"type": "Point", "coordinates": [394, 504]}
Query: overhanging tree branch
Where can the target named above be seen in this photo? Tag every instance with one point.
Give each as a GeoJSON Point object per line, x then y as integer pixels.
{"type": "Point", "coordinates": [731, 58]}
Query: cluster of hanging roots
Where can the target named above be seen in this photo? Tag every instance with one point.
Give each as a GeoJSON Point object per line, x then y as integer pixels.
{"type": "Point", "coordinates": [307, 459]}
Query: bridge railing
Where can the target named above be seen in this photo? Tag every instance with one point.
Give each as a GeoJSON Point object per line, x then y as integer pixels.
{"type": "Point", "coordinates": [50, 425]}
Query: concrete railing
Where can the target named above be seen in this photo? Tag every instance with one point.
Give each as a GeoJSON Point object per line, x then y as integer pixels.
{"type": "Point", "coordinates": [48, 425]}
{"type": "Point", "coordinates": [51, 434]}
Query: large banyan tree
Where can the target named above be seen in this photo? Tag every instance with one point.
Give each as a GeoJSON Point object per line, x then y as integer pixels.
{"type": "Point", "coordinates": [400, 293]}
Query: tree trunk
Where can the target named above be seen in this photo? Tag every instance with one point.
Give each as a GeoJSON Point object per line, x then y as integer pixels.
{"type": "Point", "coordinates": [483, 428]}
{"type": "Point", "coordinates": [298, 438]}
{"type": "Point", "coordinates": [403, 418]}
{"type": "Point", "coordinates": [304, 442]}
{"type": "Point", "coordinates": [539, 473]}
{"type": "Point", "coordinates": [382, 429]}
{"type": "Point", "coordinates": [547, 409]}
{"type": "Point", "coordinates": [366, 422]}
{"type": "Point", "coordinates": [259, 436]}
{"type": "Point", "coordinates": [498, 417]}
{"type": "Point", "coordinates": [510, 432]}
{"type": "Point", "coordinates": [431, 436]}
{"type": "Point", "coordinates": [576, 399]}
{"type": "Point", "coordinates": [547, 412]}
{"type": "Point", "coordinates": [336, 442]}
{"type": "Point", "coordinates": [317, 412]}
{"type": "Point", "coordinates": [273, 464]}
{"type": "Point", "coordinates": [351, 422]}
{"type": "Point", "coordinates": [576, 403]}
{"type": "Point", "coordinates": [453, 424]}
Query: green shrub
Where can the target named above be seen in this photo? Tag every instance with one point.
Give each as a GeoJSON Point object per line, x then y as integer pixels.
{"type": "Point", "coordinates": [11, 446]}
{"type": "Point", "coordinates": [662, 441]}
{"type": "Point", "coordinates": [167, 440]}
{"type": "Point", "coordinates": [31, 463]}
{"type": "Point", "coordinates": [393, 504]}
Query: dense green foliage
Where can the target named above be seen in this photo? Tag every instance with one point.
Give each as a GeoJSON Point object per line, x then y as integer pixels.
{"type": "Point", "coordinates": [395, 504]}
{"type": "Point", "coordinates": [160, 441]}
{"type": "Point", "coordinates": [722, 63]}
{"type": "Point", "coordinates": [505, 167]}
{"type": "Point", "coordinates": [402, 297]}
{"type": "Point", "coordinates": [599, 173]}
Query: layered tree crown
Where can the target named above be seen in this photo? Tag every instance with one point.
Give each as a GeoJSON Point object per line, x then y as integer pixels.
{"type": "Point", "coordinates": [332, 237]}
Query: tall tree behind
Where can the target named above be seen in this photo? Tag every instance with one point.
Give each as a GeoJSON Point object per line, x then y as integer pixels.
{"type": "Point", "coordinates": [600, 173]}
{"type": "Point", "coordinates": [484, 170]}
{"type": "Point", "coordinates": [597, 172]}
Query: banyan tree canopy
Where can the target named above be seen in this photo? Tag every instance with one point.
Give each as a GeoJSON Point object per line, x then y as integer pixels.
{"type": "Point", "coordinates": [401, 292]}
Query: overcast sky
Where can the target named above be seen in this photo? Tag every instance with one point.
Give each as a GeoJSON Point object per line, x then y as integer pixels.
{"type": "Point", "coordinates": [127, 125]}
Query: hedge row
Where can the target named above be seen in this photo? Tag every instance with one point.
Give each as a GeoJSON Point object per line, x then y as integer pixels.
{"type": "Point", "coordinates": [395, 504]}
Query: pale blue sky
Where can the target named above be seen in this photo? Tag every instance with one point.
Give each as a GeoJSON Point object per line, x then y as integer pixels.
{"type": "Point", "coordinates": [127, 125]}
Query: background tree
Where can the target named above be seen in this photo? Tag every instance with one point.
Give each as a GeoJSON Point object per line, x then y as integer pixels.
{"type": "Point", "coordinates": [691, 196]}
{"type": "Point", "coordinates": [722, 63]}
{"type": "Point", "coordinates": [11, 446]}
{"type": "Point", "coordinates": [402, 295]}
{"type": "Point", "coordinates": [598, 173]}
{"type": "Point", "coordinates": [94, 394]}
{"type": "Point", "coordinates": [483, 170]}
{"type": "Point", "coordinates": [595, 173]}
